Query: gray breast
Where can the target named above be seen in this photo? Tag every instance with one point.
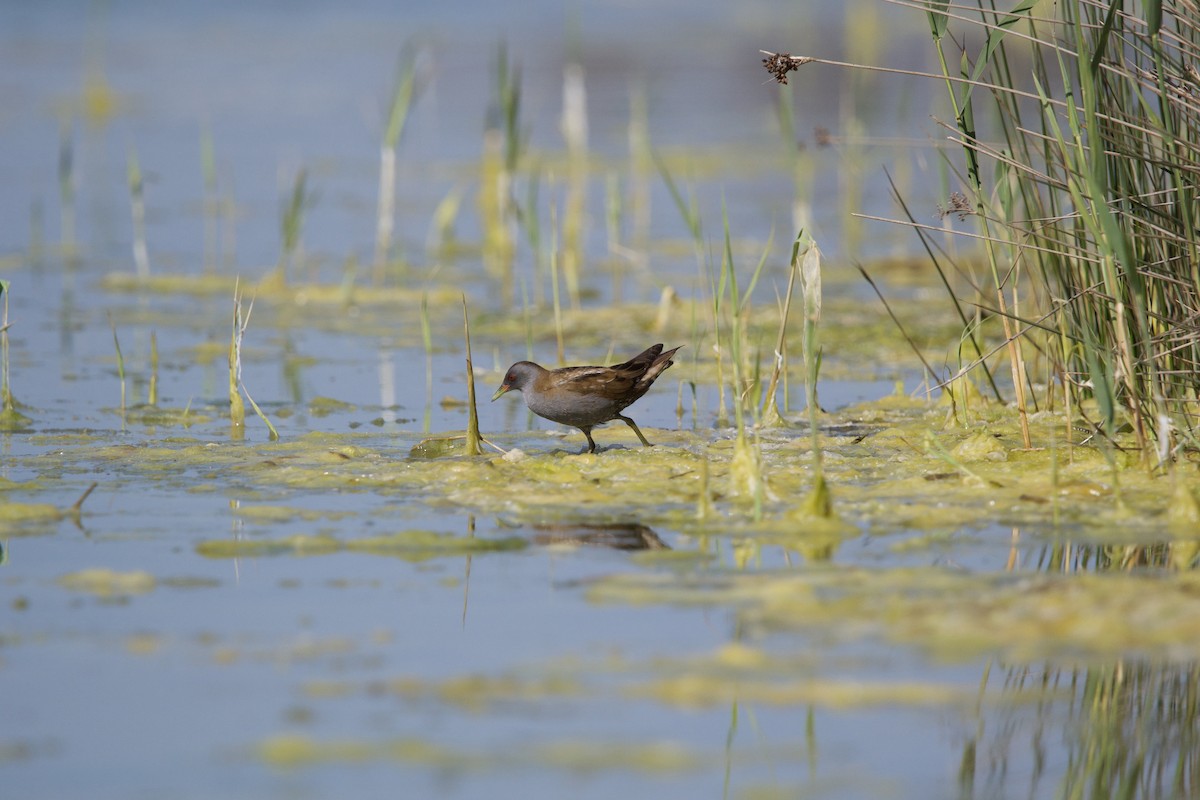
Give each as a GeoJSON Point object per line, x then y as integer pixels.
{"type": "Point", "coordinates": [584, 410]}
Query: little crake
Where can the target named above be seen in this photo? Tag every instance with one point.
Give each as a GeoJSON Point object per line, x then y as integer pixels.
{"type": "Point", "coordinates": [585, 397]}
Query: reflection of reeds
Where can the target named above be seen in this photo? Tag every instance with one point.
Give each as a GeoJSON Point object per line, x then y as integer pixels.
{"type": "Point", "coordinates": [1130, 727]}
{"type": "Point", "coordinates": [1129, 730]}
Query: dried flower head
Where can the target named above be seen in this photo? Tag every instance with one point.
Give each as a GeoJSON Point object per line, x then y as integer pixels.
{"type": "Point", "coordinates": [780, 64]}
{"type": "Point", "coordinates": [958, 205]}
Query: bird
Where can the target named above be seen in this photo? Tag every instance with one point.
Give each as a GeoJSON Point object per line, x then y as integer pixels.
{"type": "Point", "coordinates": [584, 397]}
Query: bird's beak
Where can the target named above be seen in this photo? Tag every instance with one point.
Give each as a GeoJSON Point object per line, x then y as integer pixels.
{"type": "Point", "coordinates": [504, 387]}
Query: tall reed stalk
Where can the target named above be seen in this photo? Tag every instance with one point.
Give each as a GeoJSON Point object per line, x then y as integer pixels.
{"type": "Point", "coordinates": [212, 202]}
{"type": "Point", "coordinates": [402, 100]}
{"type": "Point", "coordinates": [292, 225]}
{"type": "Point", "coordinates": [819, 502]}
{"type": "Point", "coordinates": [745, 467]}
{"type": "Point", "coordinates": [137, 206]}
{"type": "Point", "coordinates": [9, 417]}
{"type": "Point", "coordinates": [473, 438]}
{"type": "Point", "coordinates": [237, 387]}
{"type": "Point", "coordinates": [1079, 124]}
{"type": "Point", "coordinates": [503, 144]}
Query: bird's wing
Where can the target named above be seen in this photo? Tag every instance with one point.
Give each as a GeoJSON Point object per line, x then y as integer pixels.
{"type": "Point", "coordinates": [586, 380]}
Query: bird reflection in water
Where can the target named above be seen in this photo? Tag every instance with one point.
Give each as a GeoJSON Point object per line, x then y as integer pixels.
{"type": "Point", "coordinates": [618, 536]}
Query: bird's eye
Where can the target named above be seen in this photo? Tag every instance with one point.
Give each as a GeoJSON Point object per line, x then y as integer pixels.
{"type": "Point", "coordinates": [509, 378]}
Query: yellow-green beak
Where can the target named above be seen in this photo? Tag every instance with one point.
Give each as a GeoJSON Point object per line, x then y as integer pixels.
{"type": "Point", "coordinates": [504, 387]}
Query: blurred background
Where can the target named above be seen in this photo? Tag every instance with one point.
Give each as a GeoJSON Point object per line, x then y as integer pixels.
{"type": "Point", "coordinates": [263, 90]}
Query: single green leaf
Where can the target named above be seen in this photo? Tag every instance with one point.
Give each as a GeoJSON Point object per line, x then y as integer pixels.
{"type": "Point", "coordinates": [995, 35]}
{"type": "Point", "coordinates": [1110, 20]}
{"type": "Point", "coordinates": [1153, 16]}
{"type": "Point", "coordinates": [938, 19]}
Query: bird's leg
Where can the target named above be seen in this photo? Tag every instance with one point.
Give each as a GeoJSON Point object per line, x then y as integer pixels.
{"type": "Point", "coordinates": [591, 448]}
{"type": "Point", "coordinates": [636, 430]}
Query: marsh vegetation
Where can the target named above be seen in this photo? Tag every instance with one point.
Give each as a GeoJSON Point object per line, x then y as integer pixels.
{"type": "Point", "coordinates": [926, 461]}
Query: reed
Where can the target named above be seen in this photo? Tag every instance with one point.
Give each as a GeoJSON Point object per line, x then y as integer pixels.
{"type": "Point", "coordinates": [427, 342]}
{"type": "Point", "coordinates": [152, 391]}
{"type": "Point", "coordinates": [120, 362]}
{"type": "Point", "coordinates": [613, 212]}
{"type": "Point", "coordinates": [503, 146]}
{"type": "Point", "coordinates": [237, 387]}
{"type": "Point", "coordinates": [237, 408]}
{"type": "Point", "coordinates": [473, 438]}
{"type": "Point", "coordinates": [385, 219]}
{"type": "Point", "coordinates": [442, 236]}
{"type": "Point", "coordinates": [530, 220]}
{"type": "Point", "coordinates": [66, 187]}
{"type": "Point", "coordinates": [1081, 194]}
{"type": "Point", "coordinates": [745, 467]}
{"type": "Point", "coordinates": [690, 213]}
{"type": "Point", "coordinates": [819, 502]}
{"type": "Point", "coordinates": [292, 225]}
{"type": "Point", "coordinates": [770, 414]}
{"type": "Point", "coordinates": [137, 205]}
{"type": "Point", "coordinates": [555, 294]}
{"type": "Point", "coordinates": [211, 202]}
{"type": "Point", "coordinates": [9, 416]}
{"type": "Point", "coordinates": [575, 134]}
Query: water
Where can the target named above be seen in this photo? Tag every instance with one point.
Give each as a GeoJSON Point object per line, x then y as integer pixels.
{"type": "Point", "coordinates": [562, 668]}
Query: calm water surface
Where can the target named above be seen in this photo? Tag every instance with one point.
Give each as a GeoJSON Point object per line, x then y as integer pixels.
{"type": "Point", "coordinates": [182, 688]}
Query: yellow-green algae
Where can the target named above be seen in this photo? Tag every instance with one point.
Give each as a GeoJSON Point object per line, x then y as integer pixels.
{"type": "Point", "coordinates": [706, 691]}
{"type": "Point", "coordinates": [32, 519]}
{"type": "Point", "coordinates": [12, 513]}
{"type": "Point", "coordinates": [475, 693]}
{"type": "Point", "coordinates": [9, 485]}
{"type": "Point", "coordinates": [411, 545]}
{"type": "Point", "coordinates": [302, 649]}
{"type": "Point", "coordinates": [103, 582]}
{"type": "Point", "coordinates": [296, 750]}
{"type": "Point", "coordinates": [324, 406]}
{"type": "Point", "coordinates": [13, 420]}
{"type": "Point", "coordinates": [951, 613]}
{"type": "Point", "coordinates": [734, 672]}
{"type": "Point", "coordinates": [739, 672]}
{"type": "Point", "coordinates": [158, 416]}
{"type": "Point", "coordinates": [269, 513]}
{"type": "Point", "coordinates": [899, 464]}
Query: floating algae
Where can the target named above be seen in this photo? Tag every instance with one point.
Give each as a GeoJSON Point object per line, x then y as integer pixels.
{"type": "Point", "coordinates": [413, 545]}
{"type": "Point", "coordinates": [106, 583]}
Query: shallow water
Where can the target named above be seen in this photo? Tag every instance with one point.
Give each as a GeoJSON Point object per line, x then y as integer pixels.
{"type": "Point", "coordinates": [334, 614]}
